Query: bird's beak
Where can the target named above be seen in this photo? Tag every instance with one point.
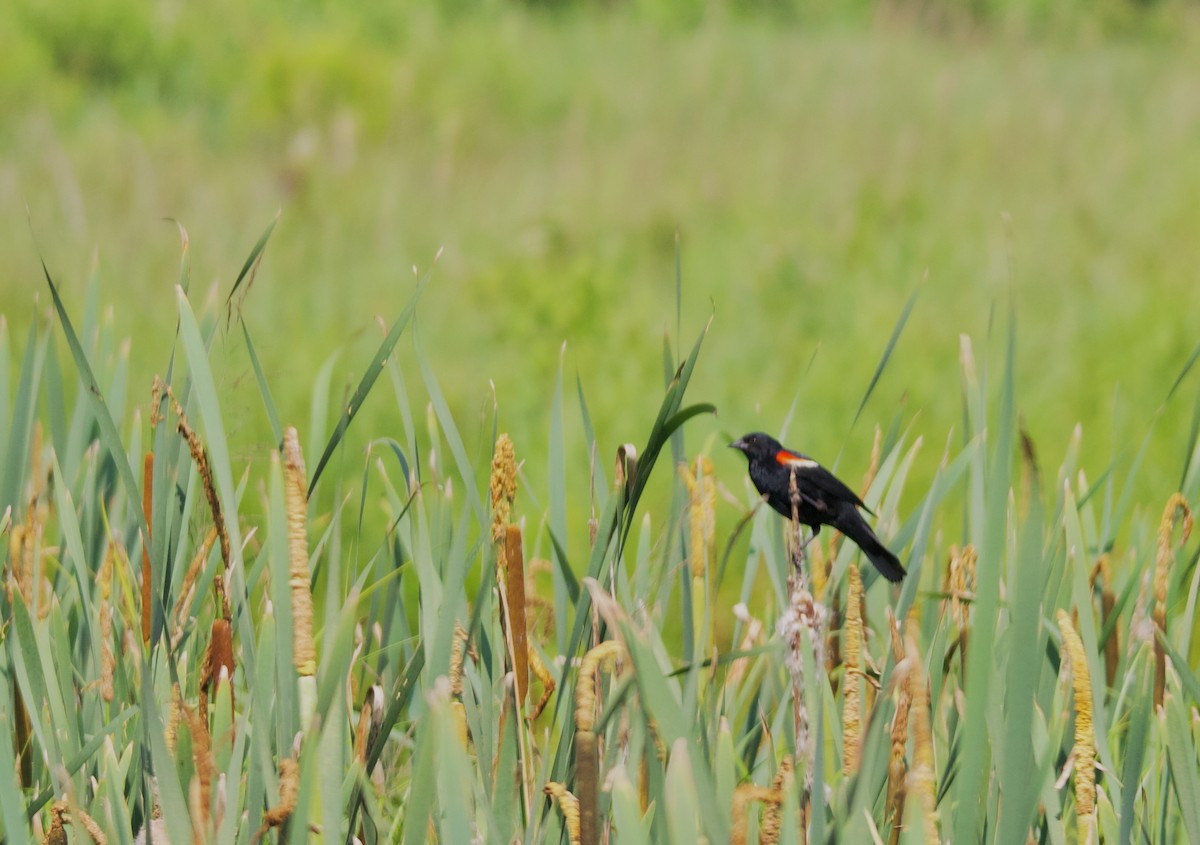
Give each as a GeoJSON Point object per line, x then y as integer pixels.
{"type": "Point", "coordinates": [739, 444]}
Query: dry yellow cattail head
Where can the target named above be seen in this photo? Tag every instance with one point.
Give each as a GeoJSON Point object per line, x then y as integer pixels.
{"type": "Point", "coordinates": [1177, 508]}
{"type": "Point", "coordinates": [896, 764]}
{"type": "Point", "coordinates": [173, 716]}
{"type": "Point", "coordinates": [873, 467]}
{"type": "Point", "coordinates": [289, 792]}
{"type": "Point", "coordinates": [772, 826]}
{"type": "Point", "coordinates": [601, 656]}
{"type": "Point", "coordinates": [1085, 737]}
{"type": "Point", "coordinates": [295, 491]}
{"type": "Point", "coordinates": [569, 806]}
{"type": "Point", "coordinates": [148, 513]}
{"type": "Point", "coordinates": [921, 777]}
{"type": "Point", "coordinates": [853, 667]}
{"type": "Point", "coordinates": [503, 485]}
{"type": "Point", "coordinates": [702, 501]}
{"type": "Point", "coordinates": [108, 662]}
{"type": "Point", "coordinates": [743, 796]}
{"type": "Point", "coordinates": [457, 650]}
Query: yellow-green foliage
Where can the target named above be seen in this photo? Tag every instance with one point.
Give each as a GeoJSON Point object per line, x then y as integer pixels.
{"type": "Point", "coordinates": [100, 730]}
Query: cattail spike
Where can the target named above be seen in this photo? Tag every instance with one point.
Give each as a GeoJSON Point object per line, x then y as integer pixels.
{"type": "Point", "coordinates": [148, 511]}
{"type": "Point", "coordinates": [569, 805]}
{"type": "Point", "coordinates": [295, 491]}
{"type": "Point", "coordinates": [853, 669]}
{"type": "Point", "coordinates": [1176, 509]}
{"type": "Point", "coordinates": [1085, 739]}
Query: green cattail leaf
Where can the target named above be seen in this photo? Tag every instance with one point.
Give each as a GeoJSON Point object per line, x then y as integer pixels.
{"type": "Point", "coordinates": [680, 800]}
{"type": "Point", "coordinates": [374, 368]}
{"type": "Point", "coordinates": [1139, 719]}
{"type": "Point", "coordinates": [1188, 680]}
{"type": "Point", "coordinates": [248, 268]}
{"type": "Point", "coordinates": [110, 439]}
{"type": "Point", "coordinates": [450, 431]}
{"type": "Point", "coordinates": [1026, 579]}
{"type": "Point", "coordinates": [12, 803]}
{"type": "Point", "coordinates": [169, 792]}
{"type": "Point", "coordinates": [1181, 752]}
{"type": "Point", "coordinates": [897, 330]}
{"type": "Point", "coordinates": [556, 460]}
{"type": "Point", "coordinates": [264, 389]}
{"type": "Point", "coordinates": [21, 429]}
{"type": "Point", "coordinates": [628, 825]}
{"type": "Point", "coordinates": [6, 411]}
{"type": "Point", "coordinates": [973, 776]}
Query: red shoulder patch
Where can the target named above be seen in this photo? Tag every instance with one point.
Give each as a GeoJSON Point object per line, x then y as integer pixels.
{"type": "Point", "coordinates": [791, 459]}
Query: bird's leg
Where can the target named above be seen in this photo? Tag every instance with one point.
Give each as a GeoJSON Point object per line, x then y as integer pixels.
{"type": "Point", "coordinates": [799, 543]}
{"type": "Point", "coordinates": [804, 543]}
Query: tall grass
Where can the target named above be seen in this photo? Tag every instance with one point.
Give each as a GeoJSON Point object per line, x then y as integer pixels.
{"type": "Point", "coordinates": [485, 670]}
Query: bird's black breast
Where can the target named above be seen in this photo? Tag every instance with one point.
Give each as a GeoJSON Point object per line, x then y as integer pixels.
{"type": "Point", "coordinates": [774, 481]}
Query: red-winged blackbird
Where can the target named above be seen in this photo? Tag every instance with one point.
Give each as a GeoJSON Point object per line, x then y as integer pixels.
{"type": "Point", "coordinates": [820, 498]}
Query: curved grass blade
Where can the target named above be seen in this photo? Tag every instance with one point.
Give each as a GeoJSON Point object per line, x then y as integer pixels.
{"type": "Point", "coordinates": [450, 431]}
{"type": "Point", "coordinates": [83, 755]}
{"type": "Point", "coordinates": [11, 804]}
{"type": "Point", "coordinates": [1191, 362]}
{"type": "Point", "coordinates": [971, 786]}
{"type": "Point", "coordinates": [600, 478]}
{"type": "Point", "coordinates": [557, 469]}
{"type": "Point", "coordinates": [1181, 752]}
{"type": "Point", "coordinates": [23, 412]}
{"type": "Point", "coordinates": [661, 433]}
{"type": "Point", "coordinates": [264, 389]}
{"type": "Point", "coordinates": [110, 439]}
{"type": "Point", "coordinates": [368, 381]}
{"type": "Point", "coordinates": [170, 790]}
{"type": "Point", "coordinates": [887, 353]}
{"type": "Point", "coordinates": [250, 268]}
{"type": "Point", "coordinates": [1135, 746]}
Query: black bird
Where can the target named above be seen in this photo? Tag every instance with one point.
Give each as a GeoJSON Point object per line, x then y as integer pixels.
{"type": "Point", "coordinates": [821, 499]}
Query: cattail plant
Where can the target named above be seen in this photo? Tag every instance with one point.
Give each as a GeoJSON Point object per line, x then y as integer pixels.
{"type": "Point", "coordinates": [510, 562]}
{"type": "Point", "coordinates": [108, 662]}
{"type": "Point", "coordinates": [568, 804]}
{"type": "Point", "coordinates": [304, 652]}
{"type": "Point", "coordinates": [289, 793]}
{"type": "Point", "coordinates": [587, 760]}
{"type": "Point", "coordinates": [1176, 509]}
{"type": "Point", "coordinates": [899, 732]}
{"type": "Point", "coordinates": [702, 496]}
{"type": "Point", "coordinates": [147, 572]}
{"type": "Point", "coordinates": [960, 582]}
{"type": "Point", "coordinates": [65, 812]}
{"type": "Point", "coordinates": [921, 778]}
{"type": "Point", "coordinates": [743, 797]}
{"type": "Point", "coordinates": [1084, 752]}
{"type": "Point", "coordinates": [1102, 573]}
{"type": "Point", "coordinates": [457, 709]}
{"type": "Point", "coordinates": [781, 784]}
{"type": "Point", "coordinates": [853, 673]}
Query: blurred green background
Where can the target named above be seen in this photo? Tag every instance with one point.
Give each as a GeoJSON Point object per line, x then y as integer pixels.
{"type": "Point", "coordinates": [820, 162]}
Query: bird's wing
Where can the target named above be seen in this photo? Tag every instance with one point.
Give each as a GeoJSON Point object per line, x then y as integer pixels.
{"type": "Point", "coordinates": [811, 473]}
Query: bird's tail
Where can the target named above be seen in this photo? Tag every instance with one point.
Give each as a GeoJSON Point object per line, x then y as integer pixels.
{"type": "Point", "coordinates": [855, 527]}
